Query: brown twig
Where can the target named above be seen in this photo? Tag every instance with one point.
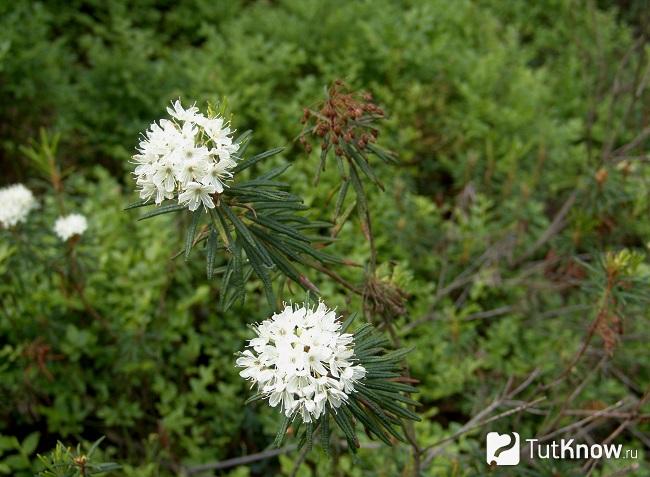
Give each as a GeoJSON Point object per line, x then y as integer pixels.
{"type": "Point", "coordinates": [480, 420]}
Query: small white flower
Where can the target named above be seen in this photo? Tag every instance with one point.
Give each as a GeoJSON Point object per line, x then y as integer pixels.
{"type": "Point", "coordinates": [301, 361]}
{"type": "Point", "coordinates": [192, 165]}
{"type": "Point", "coordinates": [190, 114]}
{"type": "Point", "coordinates": [195, 194]}
{"type": "Point", "coordinates": [70, 225]}
{"type": "Point", "coordinates": [16, 202]}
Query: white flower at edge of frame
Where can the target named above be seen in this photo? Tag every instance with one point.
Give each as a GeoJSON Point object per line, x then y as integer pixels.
{"type": "Point", "coordinates": [16, 202]}
{"type": "Point", "coordinates": [70, 225]}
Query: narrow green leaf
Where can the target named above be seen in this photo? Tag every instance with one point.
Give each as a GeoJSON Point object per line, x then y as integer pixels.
{"type": "Point", "coordinates": [246, 235]}
{"type": "Point", "coordinates": [388, 405]}
{"type": "Point", "coordinates": [225, 285]}
{"type": "Point", "coordinates": [284, 266]}
{"type": "Point", "coordinates": [362, 163]}
{"type": "Point", "coordinates": [343, 192]}
{"type": "Point", "coordinates": [221, 224]}
{"type": "Point", "coordinates": [280, 206]}
{"type": "Point", "coordinates": [238, 273]}
{"type": "Point", "coordinates": [325, 430]}
{"type": "Point", "coordinates": [386, 156]}
{"type": "Point", "coordinates": [309, 433]}
{"type": "Point", "coordinates": [92, 449]}
{"type": "Point", "coordinates": [382, 375]}
{"type": "Point", "coordinates": [241, 186]}
{"type": "Point", "coordinates": [321, 164]}
{"type": "Point", "coordinates": [368, 423]}
{"type": "Point", "coordinates": [387, 421]}
{"type": "Point", "coordinates": [260, 271]}
{"type": "Point", "coordinates": [279, 227]}
{"type": "Point", "coordinates": [389, 386]}
{"type": "Point", "coordinates": [139, 203]}
{"type": "Point", "coordinates": [257, 158]}
{"type": "Point", "coordinates": [255, 397]}
{"type": "Point", "coordinates": [165, 209]}
{"type": "Point", "coordinates": [211, 252]}
{"type": "Point", "coordinates": [346, 324]}
{"type": "Point", "coordinates": [191, 231]}
{"type": "Point", "coordinates": [363, 331]}
{"type": "Point", "coordinates": [348, 431]}
{"type": "Point", "coordinates": [282, 431]}
{"type": "Point", "coordinates": [358, 188]}
{"type": "Point", "coordinates": [275, 172]}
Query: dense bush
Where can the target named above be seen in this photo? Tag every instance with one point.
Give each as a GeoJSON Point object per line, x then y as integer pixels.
{"type": "Point", "coordinates": [516, 223]}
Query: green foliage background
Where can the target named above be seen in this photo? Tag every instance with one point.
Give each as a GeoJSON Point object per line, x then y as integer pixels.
{"type": "Point", "coordinates": [499, 112]}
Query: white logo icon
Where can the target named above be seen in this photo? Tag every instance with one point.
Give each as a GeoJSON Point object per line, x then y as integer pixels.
{"type": "Point", "coordinates": [502, 449]}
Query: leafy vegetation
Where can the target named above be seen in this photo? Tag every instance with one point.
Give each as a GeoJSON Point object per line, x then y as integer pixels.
{"type": "Point", "coordinates": [507, 245]}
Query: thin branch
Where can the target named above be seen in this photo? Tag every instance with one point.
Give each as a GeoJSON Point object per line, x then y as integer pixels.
{"type": "Point", "coordinates": [556, 226]}
{"type": "Point", "coordinates": [236, 461]}
{"type": "Point", "coordinates": [472, 425]}
{"type": "Point", "coordinates": [479, 420]}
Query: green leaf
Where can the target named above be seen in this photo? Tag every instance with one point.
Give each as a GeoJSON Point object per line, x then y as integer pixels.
{"type": "Point", "coordinates": [368, 422]}
{"type": "Point", "coordinates": [309, 433]}
{"type": "Point", "coordinates": [388, 404]}
{"type": "Point", "coordinates": [261, 272]}
{"type": "Point", "coordinates": [238, 273]}
{"type": "Point", "coordinates": [394, 356]}
{"type": "Point", "coordinates": [386, 156]}
{"type": "Point", "coordinates": [346, 324]}
{"type": "Point", "coordinates": [257, 158]}
{"type": "Point", "coordinates": [255, 397]}
{"type": "Point", "coordinates": [382, 375]}
{"type": "Point", "coordinates": [165, 209]}
{"type": "Point", "coordinates": [243, 140]}
{"type": "Point", "coordinates": [321, 165]}
{"type": "Point", "coordinates": [225, 284]}
{"type": "Point", "coordinates": [279, 437]}
{"type": "Point", "coordinates": [389, 386]}
{"type": "Point", "coordinates": [285, 267]}
{"type": "Point", "coordinates": [343, 192]}
{"type": "Point", "coordinates": [396, 396]}
{"type": "Point", "coordinates": [275, 172]}
{"type": "Point", "coordinates": [28, 446]}
{"type": "Point", "coordinates": [191, 231]}
{"type": "Point", "coordinates": [139, 203]}
{"type": "Point", "coordinates": [279, 227]}
{"type": "Point", "coordinates": [246, 235]}
{"type": "Point", "coordinates": [94, 446]}
{"type": "Point", "coordinates": [220, 224]}
{"type": "Point", "coordinates": [107, 467]}
{"type": "Point", "coordinates": [211, 252]}
{"type": "Point", "coordinates": [271, 205]}
{"type": "Point", "coordinates": [362, 163]}
{"type": "Point", "coordinates": [363, 331]}
{"type": "Point", "coordinates": [242, 186]}
{"type": "Point", "coordinates": [387, 421]}
{"type": "Point", "coordinates": [348, 430]}
{"type": "Point", "coordinates": [325, 429]}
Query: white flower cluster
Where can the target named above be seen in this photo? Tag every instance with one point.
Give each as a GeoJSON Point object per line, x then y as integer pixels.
{"type": "Point", "coordinates": [70, 225]}
{"type": "Point", "coordinates": [16, 202]}
{"type": "Point", "coordinates": [301, 360]}
{"type": "Point", "coordinates": [190, 157]}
